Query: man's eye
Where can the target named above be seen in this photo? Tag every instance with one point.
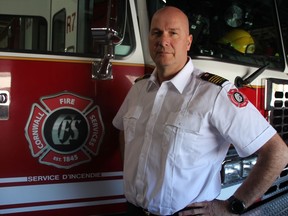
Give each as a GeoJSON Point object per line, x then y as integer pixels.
{"type": "Point", "coordinates": [156, 33]}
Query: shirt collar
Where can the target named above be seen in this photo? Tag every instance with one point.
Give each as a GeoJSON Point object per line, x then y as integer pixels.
{"type": "Point", "coordinates": [179, 81]}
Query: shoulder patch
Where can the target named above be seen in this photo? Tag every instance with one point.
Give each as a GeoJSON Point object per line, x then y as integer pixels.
{"type": "Point", "coordinates": [237, 98]}
{"type": "Point", "coordinates": [213, 78]}
{"type": "Point", "coordinates": [145, 76]}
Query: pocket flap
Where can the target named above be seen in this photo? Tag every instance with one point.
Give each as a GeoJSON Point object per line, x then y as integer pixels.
{"type": "Point", "coordinates": [189, 122]}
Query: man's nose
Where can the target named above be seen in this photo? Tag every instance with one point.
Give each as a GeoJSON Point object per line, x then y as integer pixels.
{"type": "Point", "coordinates": [164, 40]}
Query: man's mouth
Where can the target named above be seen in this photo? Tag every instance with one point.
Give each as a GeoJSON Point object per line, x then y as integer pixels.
{"type": "Point", "coordinates": [163, 52]}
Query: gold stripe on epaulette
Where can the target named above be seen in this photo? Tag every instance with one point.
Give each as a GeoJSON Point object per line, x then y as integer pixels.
{"type": "Point", "coordinates": [213, 78]}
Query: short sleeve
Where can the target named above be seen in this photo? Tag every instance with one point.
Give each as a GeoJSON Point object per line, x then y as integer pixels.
{"type": "Point", "coordinates": [239, 121]}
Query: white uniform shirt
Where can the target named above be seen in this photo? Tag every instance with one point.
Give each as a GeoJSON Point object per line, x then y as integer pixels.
{"type": "Point", "coordinates": [177, 135]}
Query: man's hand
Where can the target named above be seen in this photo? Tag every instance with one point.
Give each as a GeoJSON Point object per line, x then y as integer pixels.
{"type": "Point", "coordinates": [212, 208]}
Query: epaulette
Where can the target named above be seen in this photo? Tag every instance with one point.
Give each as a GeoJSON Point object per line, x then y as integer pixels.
{"type": "Point", "coordinates": [145, 76]}
{"type": "Point", "coordinates": [213, 78]}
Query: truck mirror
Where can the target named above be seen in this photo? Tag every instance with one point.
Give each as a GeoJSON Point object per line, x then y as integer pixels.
{"type": "Point", "coordinates": [107, 29]}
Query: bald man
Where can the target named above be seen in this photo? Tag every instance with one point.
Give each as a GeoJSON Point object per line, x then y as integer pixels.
{"type": "Point", "coordinates": [176, 127]}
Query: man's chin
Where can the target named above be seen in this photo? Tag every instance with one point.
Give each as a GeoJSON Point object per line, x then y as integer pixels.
{"type": "Point", "coordinates": [163, 61]}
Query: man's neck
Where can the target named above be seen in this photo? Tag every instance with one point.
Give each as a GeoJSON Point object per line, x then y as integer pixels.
{"type": "Point", "coordinates": [165, 73]}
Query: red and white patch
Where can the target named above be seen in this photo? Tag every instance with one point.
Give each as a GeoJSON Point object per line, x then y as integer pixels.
{"type": "Point", "coordinates": [238, 98]}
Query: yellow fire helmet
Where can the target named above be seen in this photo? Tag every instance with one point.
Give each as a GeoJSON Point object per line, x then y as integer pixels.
{"type": "Point", "coordinates": [240, 40]}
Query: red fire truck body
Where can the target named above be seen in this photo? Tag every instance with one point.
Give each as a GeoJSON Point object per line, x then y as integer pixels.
{"type": "Point", "coordinates": [65, 68]}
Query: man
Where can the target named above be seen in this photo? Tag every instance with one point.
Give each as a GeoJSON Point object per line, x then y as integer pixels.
{"type": "Point", "coordinates": [178, 126]}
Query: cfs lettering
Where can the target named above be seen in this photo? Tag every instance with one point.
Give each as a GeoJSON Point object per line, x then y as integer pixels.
{"type": "Point", "coordinates": [65, 129]}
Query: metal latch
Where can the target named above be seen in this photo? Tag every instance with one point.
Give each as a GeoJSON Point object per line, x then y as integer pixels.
{"type": "Point", "coordinates": [5, 87]}
{"type": "Point", "coordinates": [3, 98]}
{"type": "Point", "coordinates": [4, 104]}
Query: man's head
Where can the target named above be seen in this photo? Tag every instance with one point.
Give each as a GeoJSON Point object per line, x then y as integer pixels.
{"type": "Point", "coordinates": [169, 39]}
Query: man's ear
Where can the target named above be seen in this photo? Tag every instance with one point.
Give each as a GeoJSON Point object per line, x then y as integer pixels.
{"type": "Point", "coordinates": [189, 42]}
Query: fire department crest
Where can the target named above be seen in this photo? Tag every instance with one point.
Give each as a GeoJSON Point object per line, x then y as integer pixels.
{"type": "Point", "coordinates": [65, 131]}
{"type": "Point", "coordinates": [237, 98]}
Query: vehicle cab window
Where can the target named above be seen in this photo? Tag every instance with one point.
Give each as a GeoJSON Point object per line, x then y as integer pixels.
{"type": "Point", "coordinates": [241, 32]}
{"type": "Point", "coordinates": [283, 13]}
{"type": "Point", "coordinates": [63, 28]}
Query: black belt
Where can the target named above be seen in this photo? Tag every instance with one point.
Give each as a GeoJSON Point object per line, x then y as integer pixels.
{"type": "Point", "coordinates": [138, 211]}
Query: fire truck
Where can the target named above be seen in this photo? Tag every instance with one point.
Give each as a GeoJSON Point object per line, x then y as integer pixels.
{"type": "Point", "coordinates": [65, 68]}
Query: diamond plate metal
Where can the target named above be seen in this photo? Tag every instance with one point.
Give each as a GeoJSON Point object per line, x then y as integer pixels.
{"type": "Point", "coordinates": [275, 207]}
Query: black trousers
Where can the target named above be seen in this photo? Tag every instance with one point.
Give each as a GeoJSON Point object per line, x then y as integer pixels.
{"type": "Point", "coordinates": [138, 211]}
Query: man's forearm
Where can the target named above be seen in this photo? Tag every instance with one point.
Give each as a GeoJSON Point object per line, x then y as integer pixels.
{"type": "Point", "coordinates": [272, 158]}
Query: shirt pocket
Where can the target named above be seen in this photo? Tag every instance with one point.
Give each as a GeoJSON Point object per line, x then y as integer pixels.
{"type": "Point", "coordinates": [130, 120]}
{"type": "Point", "coordinates": [183, 134]}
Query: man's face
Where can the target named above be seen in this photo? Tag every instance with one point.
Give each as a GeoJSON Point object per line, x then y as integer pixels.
{"type": "Point", "coordinates": [169, 39]}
